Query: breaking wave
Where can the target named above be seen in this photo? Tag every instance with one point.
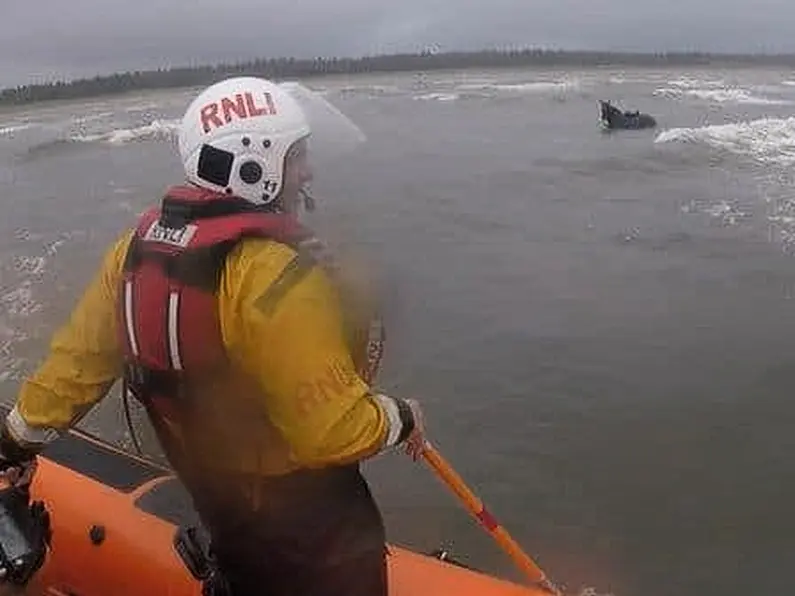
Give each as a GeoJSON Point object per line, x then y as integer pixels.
{"type": "Point", "coordinates": [719, 91]}
{"type": "Point", "coordinates": [157, 131]}
{"type": "Point", "coordinates": [9, 129]}
{"type": "Point", "coordinates": [722, 95]}
{"type": "Point", "coordinates": [769, 141]}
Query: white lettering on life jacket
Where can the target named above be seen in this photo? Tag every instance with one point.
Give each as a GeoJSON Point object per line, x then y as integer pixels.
{"type": "Point", "coordinates": [174, 236]}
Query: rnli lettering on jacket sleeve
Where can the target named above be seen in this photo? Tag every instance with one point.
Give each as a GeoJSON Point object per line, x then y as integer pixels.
{"type": "Point", "coordinates": [84, 360]}
{"type": "Point", "coordinates": [294, 346]}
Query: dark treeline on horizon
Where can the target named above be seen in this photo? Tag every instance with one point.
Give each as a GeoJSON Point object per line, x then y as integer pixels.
{"type": "Point", "coordinates": [281, 68]}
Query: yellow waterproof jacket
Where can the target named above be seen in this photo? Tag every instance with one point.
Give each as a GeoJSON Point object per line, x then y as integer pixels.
{"type": "Point", "coordinates": [289, 398]}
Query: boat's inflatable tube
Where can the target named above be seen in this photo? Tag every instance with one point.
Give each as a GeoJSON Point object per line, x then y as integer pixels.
{"type": "Point", "coordinates": [114, 518]}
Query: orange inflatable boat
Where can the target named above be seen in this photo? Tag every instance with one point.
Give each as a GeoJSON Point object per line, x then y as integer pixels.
{"type": "Point", "coordinates": [114, 518]}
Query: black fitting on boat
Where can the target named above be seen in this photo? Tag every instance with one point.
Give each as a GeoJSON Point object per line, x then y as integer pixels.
{"type": "Point", "coordinates": [25, 535]}
{"type": "Point", "coordinates": [445, 556]}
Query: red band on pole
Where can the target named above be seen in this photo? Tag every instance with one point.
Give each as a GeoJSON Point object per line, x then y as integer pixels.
{"type": "Point", "coordinates": [487, 519]}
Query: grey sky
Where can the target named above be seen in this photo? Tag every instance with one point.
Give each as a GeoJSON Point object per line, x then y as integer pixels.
{"type": "Point", "coordinates": [46, 39]}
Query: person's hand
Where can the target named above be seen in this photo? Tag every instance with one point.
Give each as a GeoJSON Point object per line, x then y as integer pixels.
{"type": "Point", "coordinates": [415, 443]}
{"type": "Point", "coordinates": [17, 462]}
{"type": "Point", "coordinates": [17, 474]}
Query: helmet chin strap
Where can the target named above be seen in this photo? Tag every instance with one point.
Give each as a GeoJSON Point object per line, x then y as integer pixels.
{"type": "Point", "coordinates": [309, 201]}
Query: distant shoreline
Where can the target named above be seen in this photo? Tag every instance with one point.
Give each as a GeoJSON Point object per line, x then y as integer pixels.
{"type": "Point", "coordinates": [281, 68]}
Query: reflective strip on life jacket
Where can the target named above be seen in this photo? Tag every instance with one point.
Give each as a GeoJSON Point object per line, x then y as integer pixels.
{"type": "Point", "coordinates": [173, 330]}
{"type": "Point", "coordinates": [129, 322]}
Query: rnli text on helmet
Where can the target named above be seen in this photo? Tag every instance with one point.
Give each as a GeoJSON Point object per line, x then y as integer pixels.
{"type": "Point", "coordinates": [242, 106]}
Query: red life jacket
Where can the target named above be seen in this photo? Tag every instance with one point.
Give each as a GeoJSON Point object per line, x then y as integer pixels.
{"type": "Point", "coordinates": [169, 322]}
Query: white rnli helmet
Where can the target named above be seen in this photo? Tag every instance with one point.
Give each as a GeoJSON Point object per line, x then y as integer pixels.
{"type": "Point", "coordinates": [235, 135]}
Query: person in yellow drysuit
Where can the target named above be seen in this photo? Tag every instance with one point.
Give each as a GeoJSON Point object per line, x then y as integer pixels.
{"type": "Point", "coordinates": [254, 372]}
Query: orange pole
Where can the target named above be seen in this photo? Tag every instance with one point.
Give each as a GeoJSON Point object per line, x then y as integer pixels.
{"type": "Point", "coordinates": [479, 511]}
